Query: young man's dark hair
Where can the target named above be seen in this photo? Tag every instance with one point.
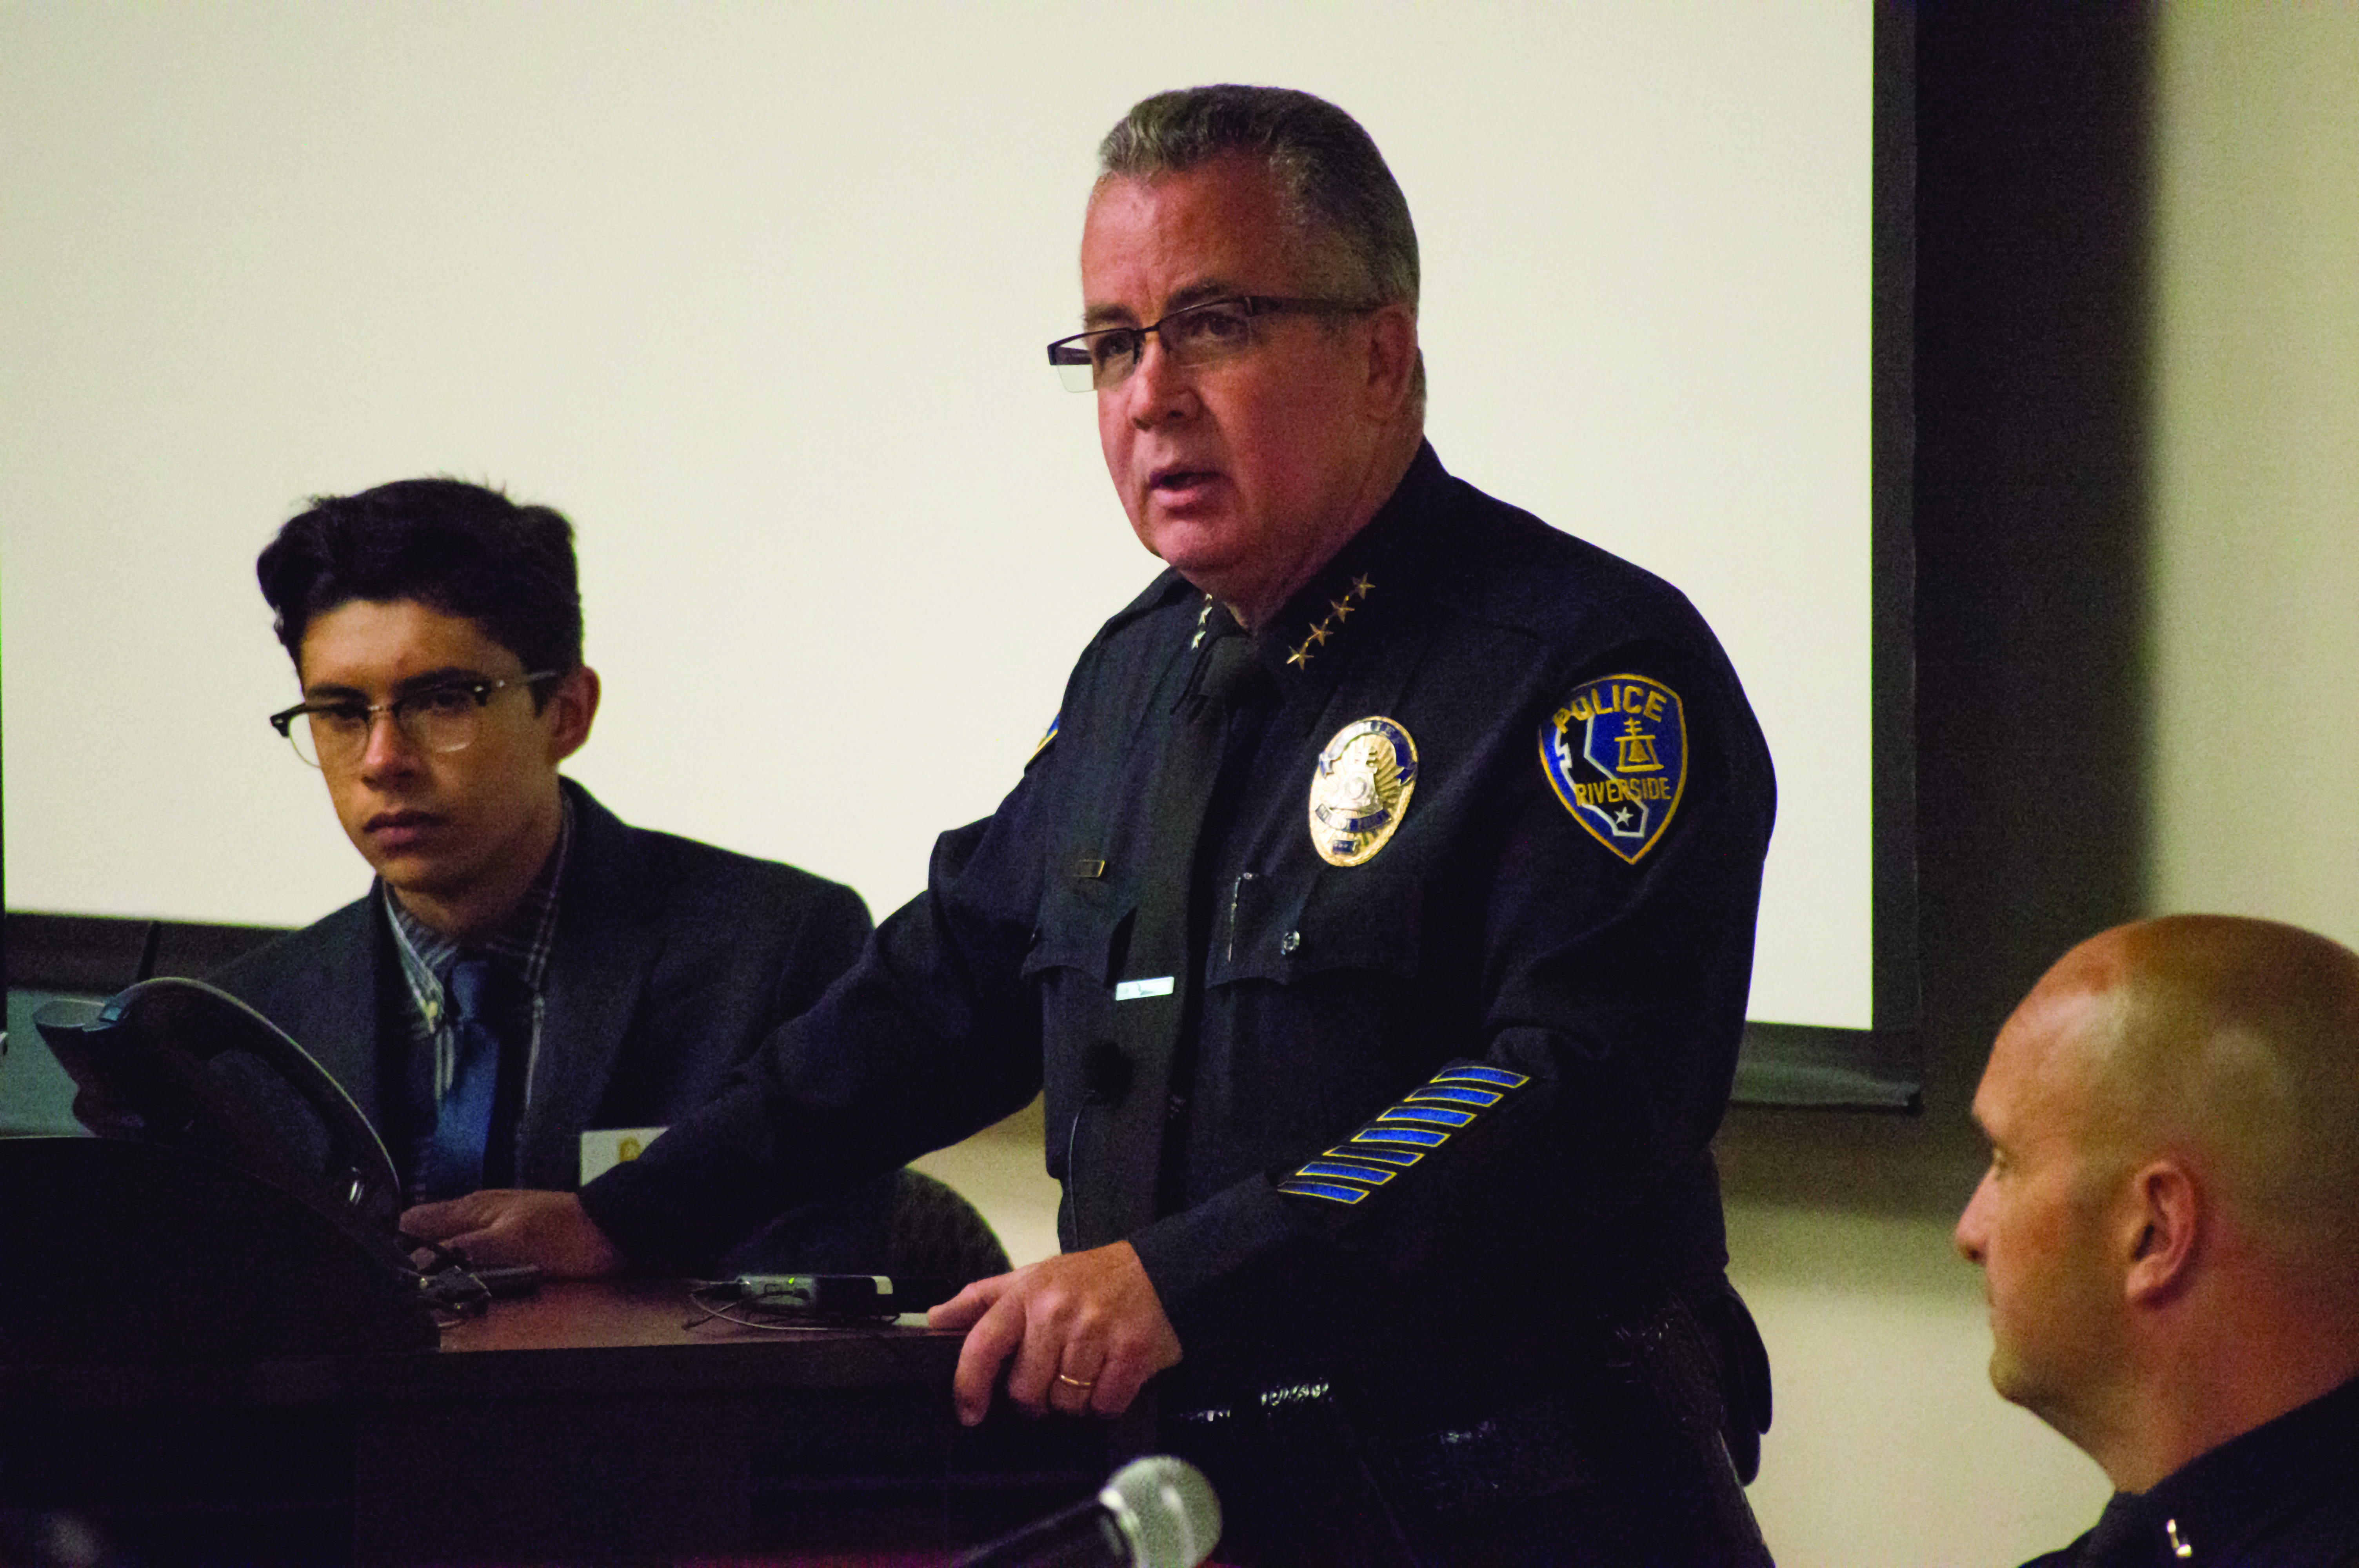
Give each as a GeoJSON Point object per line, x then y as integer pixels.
{"type": "Point", "coordinates": [464, 549]}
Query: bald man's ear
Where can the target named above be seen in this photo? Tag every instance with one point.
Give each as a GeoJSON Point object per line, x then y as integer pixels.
{"type": "Point", "coordinates": [2161, 1234]}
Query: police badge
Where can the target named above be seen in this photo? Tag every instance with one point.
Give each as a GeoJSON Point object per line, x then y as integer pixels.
{"type": "Point", "coordinates": [1617, 755]}
{"type": "Point", "coordinates": [1360, 790]}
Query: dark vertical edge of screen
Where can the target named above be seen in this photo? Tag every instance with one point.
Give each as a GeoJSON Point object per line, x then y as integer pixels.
{"type": "Point", "coordinates": [1898, 1011]}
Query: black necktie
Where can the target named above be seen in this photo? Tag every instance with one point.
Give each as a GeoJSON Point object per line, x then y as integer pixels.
{"type": "Point", "coordinates": [463, 1117]}
{"type": "Point", "coordinates": [1114, 1191]}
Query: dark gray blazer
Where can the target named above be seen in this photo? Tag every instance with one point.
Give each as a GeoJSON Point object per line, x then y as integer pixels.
{"type": "Point", "coordinates": [671, 960]}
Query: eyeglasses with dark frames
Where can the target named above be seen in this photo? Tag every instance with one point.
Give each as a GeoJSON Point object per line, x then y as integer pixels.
{"type": "Point", "coordinates": [444, 717]}
{"type": "Point", "coordinates": [1197, 335]}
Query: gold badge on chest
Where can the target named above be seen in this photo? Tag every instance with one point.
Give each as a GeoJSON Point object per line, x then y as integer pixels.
{"type": "Point", "coordinates": [1360, 790]}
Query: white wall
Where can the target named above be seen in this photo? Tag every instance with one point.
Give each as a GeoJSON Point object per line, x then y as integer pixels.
{"type": "Point", "coordinates": [757, 293]}
{"type": "Point", "coordinates": [2256, 478]}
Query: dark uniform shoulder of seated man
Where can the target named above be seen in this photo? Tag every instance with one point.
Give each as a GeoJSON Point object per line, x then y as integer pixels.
{"type": "Point", "coordinates": [2285, 1495]}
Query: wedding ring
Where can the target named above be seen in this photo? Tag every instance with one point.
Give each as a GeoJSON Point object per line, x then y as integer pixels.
{"type": "Point", "coordinates": [1084, 1384]}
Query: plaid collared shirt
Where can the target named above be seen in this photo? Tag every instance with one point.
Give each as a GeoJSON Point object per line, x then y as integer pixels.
{"type": "Point", "coordinates": [520, 946]}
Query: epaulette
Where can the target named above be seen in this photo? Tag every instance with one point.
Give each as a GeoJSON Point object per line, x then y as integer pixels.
{"type": "Point", "coordinates": [1168, 588]}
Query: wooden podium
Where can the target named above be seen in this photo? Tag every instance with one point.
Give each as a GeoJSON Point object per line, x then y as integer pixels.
{"type": "Point", "coordinates": [589, 1423]}
{"type": "Point", "coordinates": [211, 1351]}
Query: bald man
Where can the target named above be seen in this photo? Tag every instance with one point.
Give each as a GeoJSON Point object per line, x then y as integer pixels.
{"type": "Point", "coordinates": [2169, 1234]}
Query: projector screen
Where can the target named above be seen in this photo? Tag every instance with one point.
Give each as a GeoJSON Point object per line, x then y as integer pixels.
{"type": "Point", "coordinates": [757, 293]}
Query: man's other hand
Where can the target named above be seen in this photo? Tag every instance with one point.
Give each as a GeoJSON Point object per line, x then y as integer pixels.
{"type": "Point", "coordinates": [1079, 1334]}
{"type": "Point", "coordinates": [502, 1225]}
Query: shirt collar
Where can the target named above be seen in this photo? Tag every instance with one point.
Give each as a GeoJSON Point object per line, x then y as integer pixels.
{"type": "Point", "coordinates": [521, 943]}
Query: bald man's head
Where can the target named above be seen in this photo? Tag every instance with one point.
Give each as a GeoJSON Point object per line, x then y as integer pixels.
{"type": "Point", "coordinates": [2173, 1115]}
{"type": "Point", "coordinates": [2234, 1045]}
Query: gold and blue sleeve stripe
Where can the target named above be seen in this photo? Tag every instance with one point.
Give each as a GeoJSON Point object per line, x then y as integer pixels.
{"type": "Point", "coordinates": [1349, 1170]}
{"type": "Point", "coordinates": [1333, 1192]}
{"type": "Point", "coordinates": [1400, 1135]}
{"type": "Point", "coordinates": [1412, 1137]}
{"type": "Point", "coordinates": [1403, 1158]}
{"type": "Point", "coordinates": [1429, 1115]}
{"type": "Point", "coordinates": [1475, 1072]}
{"type": "Point", "coordinates": [1455, 1094]}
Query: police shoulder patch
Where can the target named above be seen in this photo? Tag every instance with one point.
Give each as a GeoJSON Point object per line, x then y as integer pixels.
{"type": "Point", "coordinates": [1050, 735]}
{"type": "Point", "coordinates": [1617, 755]}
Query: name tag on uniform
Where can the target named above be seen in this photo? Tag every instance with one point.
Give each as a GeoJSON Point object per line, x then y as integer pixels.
{"type": "Point", "coordinates": [1132, 990]}
{"type": "Point", "coordinates": [603, 1148]}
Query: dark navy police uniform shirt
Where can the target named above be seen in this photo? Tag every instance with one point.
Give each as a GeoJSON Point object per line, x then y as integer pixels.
{"type": "Point", "coordinates": [1453, 1054]}
{"type": "Point", "coordinates": [2284, 1495]}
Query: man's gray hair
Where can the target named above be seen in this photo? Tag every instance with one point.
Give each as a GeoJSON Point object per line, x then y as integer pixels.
{"type": "Point", "coordinates": [1343, 198]}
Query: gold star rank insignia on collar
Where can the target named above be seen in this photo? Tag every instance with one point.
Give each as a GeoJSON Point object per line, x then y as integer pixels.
{"type": "Point", "coordinates": [1338, 611]}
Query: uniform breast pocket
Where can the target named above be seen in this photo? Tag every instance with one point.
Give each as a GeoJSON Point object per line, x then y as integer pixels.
{"type": "Point", "coordinates": [1321, 1009]}
{"type": "Point", "coordinates": [1344, 919]}
{"type": "Point", "coordinates": [1071, 971]}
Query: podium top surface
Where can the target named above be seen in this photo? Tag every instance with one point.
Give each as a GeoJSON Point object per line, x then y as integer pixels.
{"type": "Point", "coordinates": [613, 1336]}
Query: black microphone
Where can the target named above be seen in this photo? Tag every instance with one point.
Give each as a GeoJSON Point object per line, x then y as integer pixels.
{"type": "Point", "coordinates": [1157, 1512]}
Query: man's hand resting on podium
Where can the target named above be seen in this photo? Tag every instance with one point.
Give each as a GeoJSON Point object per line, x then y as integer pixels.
{"type": "Point", "coordinates": [1079, 1332]}
{"type": "Point", "coordinates": [504, 1225]}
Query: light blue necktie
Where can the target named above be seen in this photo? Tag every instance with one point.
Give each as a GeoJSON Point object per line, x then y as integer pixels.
{"type": "Point", "coordinates": [462, 1121]}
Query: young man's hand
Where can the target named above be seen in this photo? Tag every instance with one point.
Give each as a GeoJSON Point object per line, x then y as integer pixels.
{"type": "Point", "coordinates": [505, 1224]}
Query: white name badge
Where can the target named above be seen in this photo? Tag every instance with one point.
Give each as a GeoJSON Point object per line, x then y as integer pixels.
{"type": "Point", "coordinates": [603, 1148]}
{"type": "Point", "coordinates": [1132, 990]}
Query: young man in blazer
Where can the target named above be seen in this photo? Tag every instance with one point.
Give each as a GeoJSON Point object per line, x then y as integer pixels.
{"type": "Point", "coordinates": [526, 968]}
